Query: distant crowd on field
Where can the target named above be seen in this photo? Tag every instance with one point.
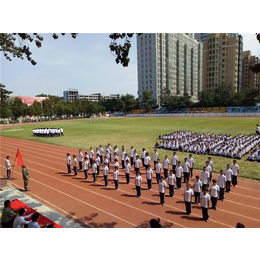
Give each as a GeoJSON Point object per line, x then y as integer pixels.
{"type": "Point", "coordinates": [211, 144]}
{"type": "Point", "coordinates": [48, 132]}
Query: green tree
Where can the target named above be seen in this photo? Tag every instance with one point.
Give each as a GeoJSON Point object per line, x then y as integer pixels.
{"type": "Point", "coordinates": [18, 108]}
{"type": "Point", "coordinates": [130, 102]}
{"type": "Point", "coordinates": [47, 108]}
{"type": "Point", "coordinates": [250, 97]}
{"type": "Point", "coordinates": [5, 110]}
{"type": "Point", "coordinates": [205, 99]}
{"type": "Point", "coordinates": [147, 101]}
{"type": "Point", "coordinates": [223, 95]}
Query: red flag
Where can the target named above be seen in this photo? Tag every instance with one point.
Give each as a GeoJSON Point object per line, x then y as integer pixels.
{"type": "Point", "coordinates": [19, 158]}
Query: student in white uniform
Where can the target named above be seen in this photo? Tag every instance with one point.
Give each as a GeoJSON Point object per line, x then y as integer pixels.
{"type": "Point", "coordinates": [204, 202]}
{"type": "Point", "coordinates": [123, 157]}
{"type": "Point", "coordinates": [86, 168]}
{"type": "Point", "coordinates": [98, 163]}
{"type": "Point", "coordinates": [178, 174]}
{"type": "Point", "coordinates": [188, 192]}
{"type": "Point", "coordinates": [162, 189]}
{"type": "Point", "coordinates": [20, 219]}
{"type": "Point", "coordinates": [80, 159]}
{"type": "Point", "coordinates": [132, 155]}
{"type": "Point", "coordinates": [105, 173]}
{"type": "Point", "coordinates": [138, 184]}
{"type": "Point", "coordinates": [91, 156]}
{"type": "Point", "coordinates": [149, 173]}
{"type": "Point", "coordinates": [166, 163]}
{"type": "Point", "coordinates": [211, 166]}
{"type": "Point", "coordinates": [171, 180]}
{"type": "Point", "coordinates": [204, 178]}
{"type": "Point", "coordinates": [222, 183]}
{"type": "Point", "coordinates": [235, 172]}
{"type": "Point", "coordinates": [147, 160]}
{"type": "Point", "coordinates": [69, 163]}
{"type": "Point", "coordinates": [197, 189]}
{"type": "Point", "coordinates": [127, 171]}
{"type": "Point", "coordinates": [214, 192]}
{"type": "Point", "coordinates": [174, 161]}
{"type": "Point", "coordinates": [158, 168]}
{"type": "Point", "coordinates": [75, 165]}
{"type": "Point", "coordinates": [143, 155]}
{"type": "Point", "coordinates": [186, 170]}
{"type": "Point", "coordinates": [192, 163]}
{"type": "Point", "coordinates": [228, 174]}
{"type": "Point", "coordinates": [8, 168]}
{"type": "Point", "coordinates": [94, 171]}
{"type": "Point", "coordinates": [137, 164]}
{"type": "Point", "coordinates": [155, 158]}
{"type": "Point", "coordinates": [116, 177]}
{"type": "Point", "coordinates": [101, 150]}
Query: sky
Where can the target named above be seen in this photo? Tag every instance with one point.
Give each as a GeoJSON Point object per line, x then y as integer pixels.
{"type": "Point", "coordinates": [84, 63]}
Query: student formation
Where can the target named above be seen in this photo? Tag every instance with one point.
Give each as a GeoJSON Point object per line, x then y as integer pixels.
{"type": "Point", "coordinates": [48, 132]}
{"type": "Point", "coordinates": [205, 190]}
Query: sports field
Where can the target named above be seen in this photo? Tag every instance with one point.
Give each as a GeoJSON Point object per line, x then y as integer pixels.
{"type": "Point", "coordinates": [143, 133]}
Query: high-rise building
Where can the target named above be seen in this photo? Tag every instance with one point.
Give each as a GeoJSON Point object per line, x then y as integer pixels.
{"type": "Point", "coordinates": [201, 37]}
{"type": "Point", "coordinates": [250, 79]}
{"type": "Point", "coordinates": [222, 61]}
{"type": "Point", "coordinates": [169, 60]}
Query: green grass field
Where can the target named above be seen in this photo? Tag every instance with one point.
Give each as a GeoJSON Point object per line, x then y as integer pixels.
{"type": "Point", "coordinates": [143, 132]}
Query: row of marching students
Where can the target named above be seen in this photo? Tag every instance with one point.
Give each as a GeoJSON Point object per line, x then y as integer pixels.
{"type": "Point", "coordinates": [200, 187]}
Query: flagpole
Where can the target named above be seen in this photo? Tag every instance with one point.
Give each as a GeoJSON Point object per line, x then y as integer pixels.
{"type": "Point", "coordinates": [14, 164]}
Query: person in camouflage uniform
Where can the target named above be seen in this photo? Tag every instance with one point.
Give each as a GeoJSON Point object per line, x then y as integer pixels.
{"type": "Point", "coordinates": [26, 177]}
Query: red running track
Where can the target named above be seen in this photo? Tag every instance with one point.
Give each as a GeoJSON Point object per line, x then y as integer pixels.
{"type": "Point", "coordinates": [94, 205]}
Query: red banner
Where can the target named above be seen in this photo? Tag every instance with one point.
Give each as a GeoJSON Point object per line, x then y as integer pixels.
{"type": "Point", "coordinates": [19, 158]}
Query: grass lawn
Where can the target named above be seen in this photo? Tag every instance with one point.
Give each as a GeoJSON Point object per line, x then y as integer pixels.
{"type": "Point", "coordinates": [143, 132]}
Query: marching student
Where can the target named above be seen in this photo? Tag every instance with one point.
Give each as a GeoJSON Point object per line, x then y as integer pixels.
{"type": "Point", "coordinates": [108, 156]}
{"type": "Point", "coordinates": [91, 155]}
{"type": "Point", "coordinates": [106, 160]}
{"type": "Point", "coordinates": [98, 163]}
{"type": "Point", "coordinates": [127, 159]}
{"type": "Point", "coordinates": [101, 153]}
{"type": "Point", "coordinates": [86, 168]}
{"type": "Point", "coordinates": [94, 171]}
{"type": "Point", "coordinates": [155, 157]}
{"type": "Point", "coordinates": [137, 164]}
{"type": "Point", "coordinates": [174, 161]}
{"type": "Point", "coordinates": [204, 202]}
{"type": "Point", "coordinates": [116, 164]}
{"type": "Point", "coordinates": [132, 155]}
{"type": "Point", "coordinates": [105, 173]}
{"type": "Point", "coordinates": [197, 186]}
{"type": "Point", "coordinates": [127, 171]}
{"type": "Point", "coordinates": [166, 166]}
{"type": "Point", "coordinates": [211, 165]}
{"type": "Point", "coordinates": [143, 155]}
{"type": "Point", "coordinates": [80, 158]}
{"type": "Point", "coordinates": [214, 192]}
{"type": "Point", "coordinates": [235, 172]}
{"type": "Point", "coordinates": [8, 168]}
{"type": "Point", "coordinates": [158, 168]}
{"type": "Point", "coordinates": [178, 174]}
{"type": "Point", "coordinates": [204, 178]}
{"type": "Point", "coordinates": [86, 155]}
{"type": "Point", "coordinates": [123, 157]}
{"type": "Point", "coordinates": [162, 189]}
{"type": "Point", "coordinates": [149, 173]}
{"type": "Point", "coordinates": [192, 163]}
{"type": "Point", "coordinates": [171, 179]}
{"type": "Point", "coordinates": [221, 183]}
{"type": "Point", "coordinates": [209, 170]}
{"type": "Point", "coordinates": [228, 174]}
{"type": "Point", "coordinates": [147, 160]}
{"type": "Point", "coordinates": [188, 192]}
{"type": "Point", "coordinates": [138, 183]}
{"type": "Point", "coordinates": [186, 170]}
{"type": "Point", "coordinates": [116, 177]}
{"type": "Point", "coordinates": [69, 163]}
{"type": "Point", "coordinates": [75, 165]}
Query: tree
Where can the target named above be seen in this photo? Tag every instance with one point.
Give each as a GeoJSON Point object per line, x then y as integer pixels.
{"type": "Point", "coordinates": [147, 101]}
{"type": "Point", "coordinates": [130, 102]}
{"type": "Point", "coordinates": [223, 95]}
{"type": "Point", "coordinates": [250, 97]}
{"type": "Point", "coordinates": [18, 108]}
{"type": "Point", "coordinates": [165, 98]}
{"type": "Point", "coordinates": [205, 99]}
{"type": "Point", "coordinates": [5, 110]}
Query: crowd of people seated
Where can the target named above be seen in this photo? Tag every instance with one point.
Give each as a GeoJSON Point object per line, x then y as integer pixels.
{"type": "Point", "coordinates": [212, 144]}
{"type": "Point", "coordinates": [254, 155]}
{"type": "Point", "coordinates": [48, 132]}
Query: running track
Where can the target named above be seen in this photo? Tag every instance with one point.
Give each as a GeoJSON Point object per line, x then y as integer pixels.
{"type": "Point", "coordinates": [94, 205]}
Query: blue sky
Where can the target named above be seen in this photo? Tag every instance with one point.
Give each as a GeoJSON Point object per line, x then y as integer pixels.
{"type": "Point", "coordinates": [84, 63]}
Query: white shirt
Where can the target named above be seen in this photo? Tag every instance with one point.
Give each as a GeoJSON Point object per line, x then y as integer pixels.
{"type": "Point", "coordinates": [166, 163]}
{"type": "Point", "coordinates": [86, 165]}
{"type": "Point", "coordinates": [197, 185]}
{"type": "Point", "coordinates": [19, 221]}
{"type": "Point", "coordinates": [211, 164]}
{"type": "Point", "coordinates": [158, 167]}
{"type": "Point", "coordinates": [204, 200]}
{"type": "Point", "coordinates": [105, 170]}
{"type": "Point", "coordinates": [221, 181]}
{"type": "Point", "coordinates": [149, 174]}
{"type": "Point", "coordinates": [179, 171]}
{"type": "Point", "coordinates": [127, 168]}
{"type": "Point", "coordinates": [138, 180]}
{"type": "Point", "coordinates": [174, 160]}
{"type": "Point", "coordinates": [228, 173]}
{"type": "Point", "coordinates": [132, 153]}
{"type": "Point", "coordinates": [137, 163]}
{"type": "Point", "coordinates": [171, 179]}
{"type": "Point", "coordinates": [97, 161]}
{"type": "Point", "coordinates": [235, 169]}
{"type": "Point", "coordinates": [191, 162]}
{"type": "Point", "coordinates": [204, 177]}
{"type": "Point", "coordinates": [187, 194]}
{"type": "Point", "coordinates": [162, 186]}
{"type": "Point", "coordinates": [155, 157]}
{"type": "Point", "coordinates": [68, 159]}
{"type": "Point", "coordinates": [80, 157]}
{"type": "Point", "coordinates": [75, 162]}
{"type": "Point", "coordinates": [147, 160]}
{"type": "Point", "coordinates": [186, 167]}
{"type": "Point", "coordinates": [116, 175]}
{"type": "Point", "coordinates": [7, 165]}
{"type": "Point", "coordinates": [91, 153]}
{"type": "Point", "coordinates": [143, 154]}
{"type": "Point", "coordinates": [94, 167]}
{"type": "Point", "coordinates": [214, 190]}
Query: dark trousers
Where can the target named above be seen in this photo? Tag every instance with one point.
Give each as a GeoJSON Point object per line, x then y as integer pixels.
{"type": "Point", "coordinates": [8, 173]}
{"type": "Point", "coordinates": [149, 184]}
{"type": "Point", "coordinates": [80, 165]}
{"type": "Point", "coordinates": [69, 168]}
{"type": "Point", "coordinates": [191, 172]}
{"type": "Point", "coordinates": [205, 213]}
{"type": "Point", "coordinates": [132, 160]}
{"type": "Point", "coordinates": [173, 168]}
{"type": "Point", "coordinates": [86, 173]}
{"type": "Point", "coordinates": [116, 184]}
{"type": "Point", "coordinates": [228, 186]}
{"type": "Point", "coordinates": [162, 196]}
{"type": "Point", "coordinates": [75, 171]}
{"type": "Point", "coordinates": [157, 177]}
{"type": "Point", "coordinates": [98, 169]}
{"type": "Point", "coordinates": [127, 176]}
{"type": "Point", "coordinates": [214, 202]}
{"type": "Point", "coordinates": [188, 207]}
{"type": "Point", "coordinates": [94, 177]}
{"type": "Point", "coordinates": [222, 194]}
{"type": "Point", "coordinates": [106, 180]}
{"type": "Point", "coordinates": [143, 162]}
{"type": "Point", "coordinates": [137, 170]}
{"type": "Point", "coordinates": [101, 159]}
{"type": "Point", "coordinates": [146, 166]}
{"type": "Point", "coordinates": [210, 176]}
{"type": "Point", "coordinates": [138, 190]}
{"type": "Point", "coordinates": [234, 180]}
{"type": "Point", "coordinates": [178, 180]}
{"type": "Point", "coordinates": [165, 172]}
{"type": "Point", "coordinates": [123, 164]}
{"type": "Point", "coordinates": [171, 190]}
{"type": "Point", "coordinates": [91, 161]}
{"type": "Point", "coordinates": [204, 186]}
{"type": "Point", "coordinates": [154, 163]}
{"type": "Point", "coordinates": [197, 197]}
{"type": "Point", "coordinates": [186, 176]}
